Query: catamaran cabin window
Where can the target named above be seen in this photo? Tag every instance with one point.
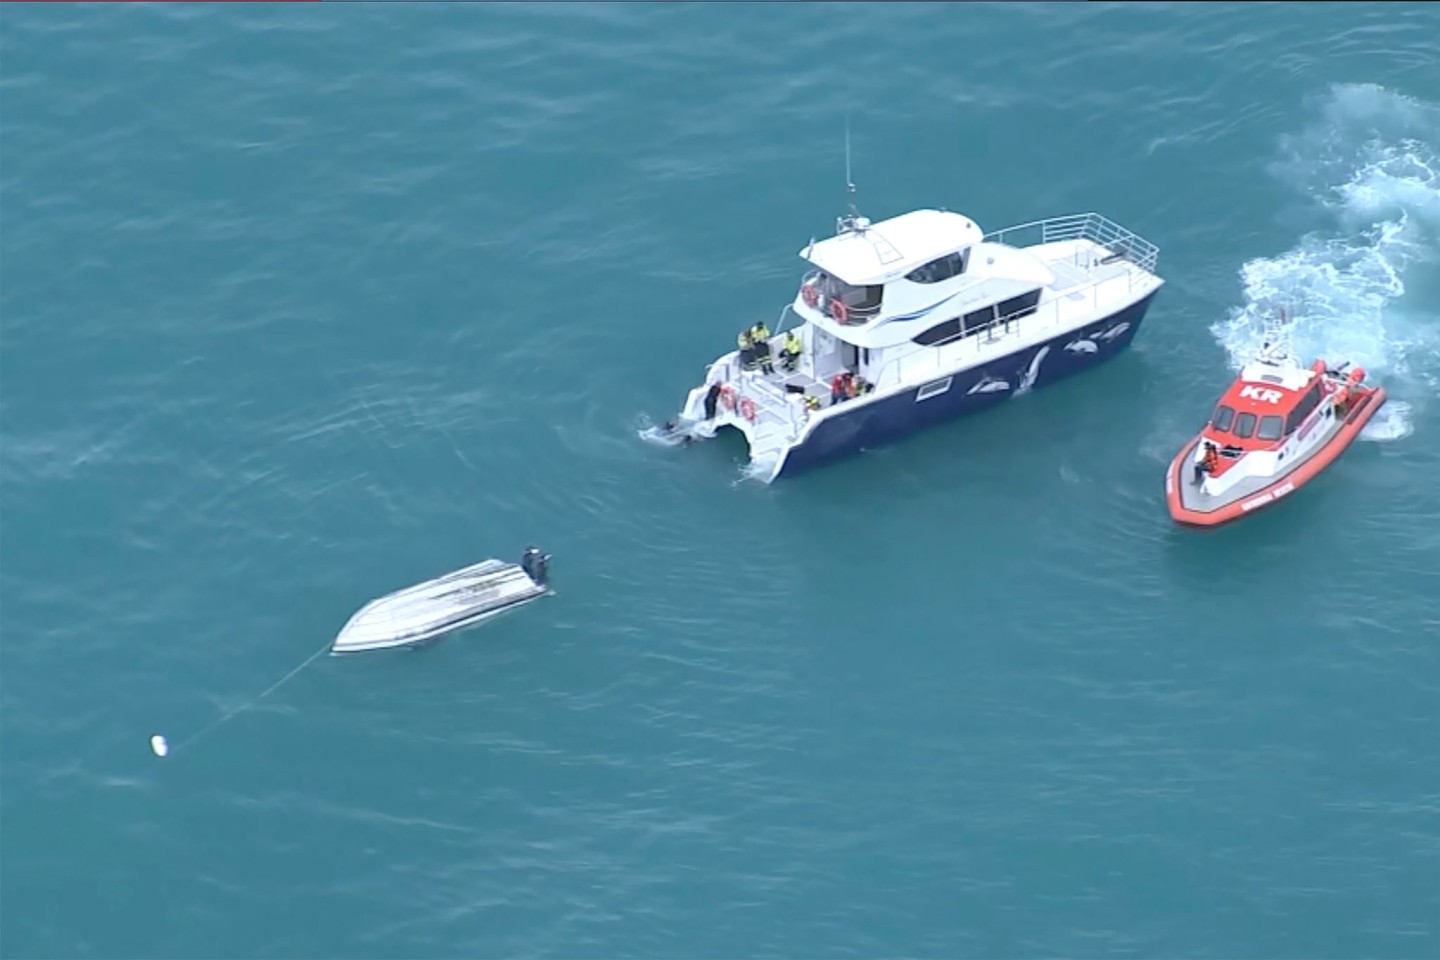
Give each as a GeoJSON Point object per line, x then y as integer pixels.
{"type": "Point", "coordinates": [950, 265]}
{"type": "Point", "coordinates": [939, 333]}
{"type": "Point", "coordinates": [1224, 416]}
{"type": "Point", "coordinates": [862, 301]}
{"type": "Point", "coordinates": [1244, 425]}
{"type": "Point", "coordinates": [979, 319]}
{"type": "Point", "coordinates": [1021, 306]}
{"type": "Point", "coordinates": [1271, 428]}
{"type": "Point", "coordinates": [972, 322]}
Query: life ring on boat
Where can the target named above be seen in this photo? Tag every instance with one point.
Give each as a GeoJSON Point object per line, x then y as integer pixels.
{"type": "Point", "coordinates": [839, 311]}
{"type": "Point", "coordinates": [727, 397]}
{"type": "Point", "coordinates": [809, 294]}
{"type": "Point", "coordinates": [747, 409]}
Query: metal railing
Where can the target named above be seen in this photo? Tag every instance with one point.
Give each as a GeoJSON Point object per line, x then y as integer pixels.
{"type": "Point", "coordinates": [1122, 243]}
{"type": "Point", "coordinates": [943, 362]}
{"type": "Point", "coordinates": [769, 399]}
{"type": "Point", "coordinates": [773, 400]}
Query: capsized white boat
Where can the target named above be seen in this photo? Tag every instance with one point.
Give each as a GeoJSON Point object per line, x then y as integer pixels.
{"type": "Point", "coordinates": [459, 599]}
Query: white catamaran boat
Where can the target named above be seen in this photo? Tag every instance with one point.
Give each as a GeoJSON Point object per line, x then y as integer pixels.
{"type": "Point", "coordinates": [460, 599]}
{"type": "Point", "coordinates": [919, 319]}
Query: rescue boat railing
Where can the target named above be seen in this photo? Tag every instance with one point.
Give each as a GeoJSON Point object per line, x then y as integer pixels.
{"type": "Point", "coordinates": [1094, 227]}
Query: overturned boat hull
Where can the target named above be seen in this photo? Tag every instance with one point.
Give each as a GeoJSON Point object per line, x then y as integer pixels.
{"type": "Point", "coordinates": [428, 610]}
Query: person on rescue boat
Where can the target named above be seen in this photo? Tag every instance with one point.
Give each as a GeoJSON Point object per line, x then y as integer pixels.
{"type": "Point", "coordinates": [1342, 399]}
{"type": "Point", "coordinates": [790, 353]}
{"type": "Point", "coordinates": [1209, 464]}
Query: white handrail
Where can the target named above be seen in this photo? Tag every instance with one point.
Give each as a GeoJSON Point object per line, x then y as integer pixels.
{"type": "Point", "coordinates": [773, 400]}
{"type": "Point", "coordinates": [1047, 312]}
{"type": "Point", "coordinates": [1088, 226]}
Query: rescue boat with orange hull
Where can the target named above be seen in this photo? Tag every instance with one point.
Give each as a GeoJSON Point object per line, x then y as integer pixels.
{"type": "Point", "coordinates": [1274, 430]}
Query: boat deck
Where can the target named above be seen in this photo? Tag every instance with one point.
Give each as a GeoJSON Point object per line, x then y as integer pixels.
{"type": "Point", "coordinates": [1069, 275]}
{"type": "Point", "coordinates": [778, 395]}
{"type": "Point", "coordinates": [1192, 498]}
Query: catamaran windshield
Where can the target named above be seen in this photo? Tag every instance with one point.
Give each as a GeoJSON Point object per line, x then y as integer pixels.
{"type": "Point", "coordinates": [862, 301]}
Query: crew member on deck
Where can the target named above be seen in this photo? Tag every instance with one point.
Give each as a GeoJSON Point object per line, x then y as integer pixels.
{"type": "Point", "coordinates": [837, 388]}
{"type": "Point", "coordinates": [1209, 464]}
{"type": "Point", "coordinates": [747, 349]}
{"type": "Point", "coordinates": [790, 353]}
{"type": "Point", "coordinates": [527, 561]}
{"type": "Point", "coordinates": [760, 337]}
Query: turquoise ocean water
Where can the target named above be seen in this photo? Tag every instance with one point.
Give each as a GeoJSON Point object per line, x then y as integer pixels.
{"type": "Point", "coordinates": [302, 304]}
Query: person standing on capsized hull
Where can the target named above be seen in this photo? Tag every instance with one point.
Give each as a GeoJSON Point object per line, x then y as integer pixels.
{"type": "Point", "coordinates": [536, 565]}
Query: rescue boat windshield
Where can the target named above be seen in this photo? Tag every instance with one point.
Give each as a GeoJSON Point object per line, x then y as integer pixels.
{"type": "Point", "coordinates": [1244, 425]}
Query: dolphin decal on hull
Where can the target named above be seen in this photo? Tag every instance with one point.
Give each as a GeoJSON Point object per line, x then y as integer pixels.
{"type": "Point", "coordinates": [1031, 374]}
{"type": "Point", "coordinates": [989, 385]}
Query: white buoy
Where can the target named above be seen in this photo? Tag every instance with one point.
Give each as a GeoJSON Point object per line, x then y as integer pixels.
{"type": "Point", "coordinates": [159, 745]}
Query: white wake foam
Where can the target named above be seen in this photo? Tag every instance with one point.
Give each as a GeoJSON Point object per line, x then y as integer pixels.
{"type": "Point", "coordinates": [1365, 288]}
{"type": "Point", "coordinates": [651, 432]}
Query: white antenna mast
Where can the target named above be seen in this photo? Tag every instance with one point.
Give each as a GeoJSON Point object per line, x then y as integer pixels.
{"type": "Point", "coordinates": [1275, 347]}
{"type": "Point", "coordinates": [853, 221]}
{"type": "Point", "coordinates": [849, 182]}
